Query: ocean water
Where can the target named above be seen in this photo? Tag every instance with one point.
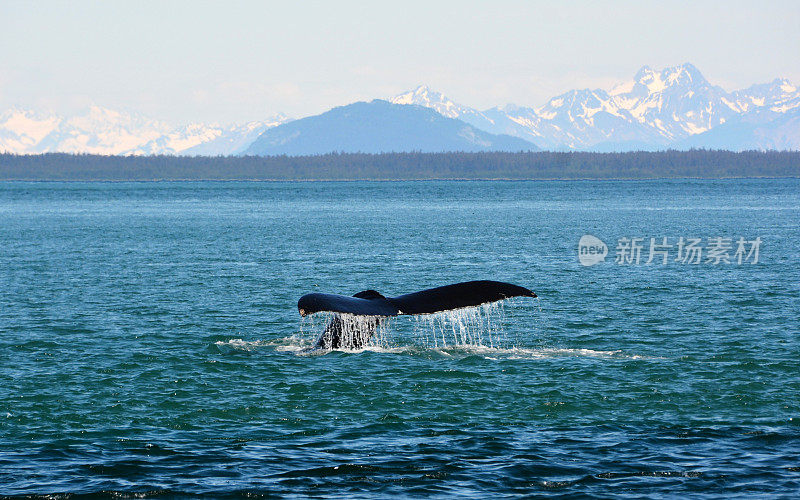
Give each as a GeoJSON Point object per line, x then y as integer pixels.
{"type": "Point", "coordinates": [150, 342]}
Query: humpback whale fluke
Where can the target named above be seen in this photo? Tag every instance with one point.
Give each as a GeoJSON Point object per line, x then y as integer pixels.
{"type": "Point", "coordinates": [377, 307]}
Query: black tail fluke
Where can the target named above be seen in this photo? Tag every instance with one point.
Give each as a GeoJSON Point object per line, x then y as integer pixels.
{"type": "Point", "coordinates": [460, 295]}
{"type": "Point", "coordinates": [443, 298]}
{"type": "Point", "coordinates": [370, 307]}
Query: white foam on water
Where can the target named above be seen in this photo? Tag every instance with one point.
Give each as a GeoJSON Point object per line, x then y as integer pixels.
{"type": "Point", "coordinates": [303, 347]}
{"type": "Point", "coordinates": [240, 345]}
{"type": "Point", "coordinates": [293, 343]}
{"type": "Point", "coordinates": [539, 353]}
{"type": "Point", "coordinates": [370, 348]}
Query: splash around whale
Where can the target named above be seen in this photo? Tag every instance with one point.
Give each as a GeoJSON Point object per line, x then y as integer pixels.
{"type": "Point", "coordinates": [357, 318]}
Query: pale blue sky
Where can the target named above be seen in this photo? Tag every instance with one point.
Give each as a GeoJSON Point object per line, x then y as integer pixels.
{"type": "Point", "coordinates": [235, 61]}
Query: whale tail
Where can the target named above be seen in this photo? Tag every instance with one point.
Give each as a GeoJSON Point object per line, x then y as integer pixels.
{"type": "Point", "coordinates": [358, 317]}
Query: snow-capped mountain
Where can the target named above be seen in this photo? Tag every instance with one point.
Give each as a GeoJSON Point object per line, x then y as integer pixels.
{"type": "Point", "coordinates": [676, 101]}
{"type": "Point", "coordinates": [99, 130]}
{"type": "Point", "coordinates": [424, 96]}
{"type": "Point", "coordinates": [654, 110]}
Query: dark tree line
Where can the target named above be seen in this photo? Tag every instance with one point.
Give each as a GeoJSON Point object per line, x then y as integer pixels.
{"type": "Point", "coordinates": [352, 166]}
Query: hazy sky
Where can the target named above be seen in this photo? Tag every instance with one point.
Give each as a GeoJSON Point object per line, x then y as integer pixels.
{"type": "Point", "coordinates": [236, 61]}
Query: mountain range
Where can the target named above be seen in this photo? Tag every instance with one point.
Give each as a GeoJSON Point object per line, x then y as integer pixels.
{"type": "Point", "coordinates": [672, 108]}
{"type": "Point", "coordinates": [99, 130]}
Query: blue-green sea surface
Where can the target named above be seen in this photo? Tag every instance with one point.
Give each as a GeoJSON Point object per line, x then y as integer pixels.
{"type": "Point", "coordinates": [150, 341]}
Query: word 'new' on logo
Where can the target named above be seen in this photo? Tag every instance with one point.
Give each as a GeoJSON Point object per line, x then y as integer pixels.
{"type": "Point", "coordinates": [591, 250]}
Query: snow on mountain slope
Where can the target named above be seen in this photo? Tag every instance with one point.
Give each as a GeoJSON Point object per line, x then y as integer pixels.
{"type": "Point", "coordinates": [99, 130]}
{"type": "Point", "coordinates": [581, 119]}
{"type": "Point", "coordinates": [177, 140]}
{"type": "Point", "coordinates": [424, 96]}
{"type": "Point", "coordinates": [676, 101]}
{"type": "Point", "coordinates": [22, 130]}
{"type": "Point", "coordinates": [235, 139]}
{"type": "Point", "coordinates": [759, 130]}
{"type": "Point", "coordinates": [490, 120]}
{"type": "Point", "coordinates": [778, 96]}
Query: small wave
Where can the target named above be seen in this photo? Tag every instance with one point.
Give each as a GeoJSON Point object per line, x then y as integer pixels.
{"type": "Point", "coordinates": [309, 351]}
{"type": "Point", "coordinates": [290, 344]}
{"type": "Point", "coordinates": [488, 352]}
{"type": "Point", "coordinates": [539, 353]}
{"type": "Point", "coordinates": [552, 353]}
{"type": "Point", "coordinates": [239, 344]}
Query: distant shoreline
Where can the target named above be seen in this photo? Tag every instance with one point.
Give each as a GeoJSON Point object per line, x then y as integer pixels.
{"type": "Point", "coordinates": [402, 167]}
{"type": "Point", "coordinates": [572, 179]}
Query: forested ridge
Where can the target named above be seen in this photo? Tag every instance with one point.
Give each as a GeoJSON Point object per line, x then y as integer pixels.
{"type": "Point", "coordinates": [405, 166]}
